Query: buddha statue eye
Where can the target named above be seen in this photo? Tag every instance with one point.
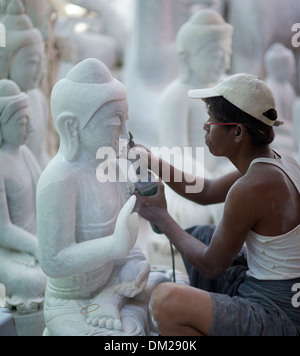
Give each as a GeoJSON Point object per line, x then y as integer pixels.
{"type": "Point", "coordinates": [114, 121]}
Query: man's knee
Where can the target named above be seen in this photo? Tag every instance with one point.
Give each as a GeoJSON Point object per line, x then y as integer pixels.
{"type": "Point", "coordinates": [163, 300]}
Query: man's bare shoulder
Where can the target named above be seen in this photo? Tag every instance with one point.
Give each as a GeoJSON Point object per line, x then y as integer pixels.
{"type": "Point", "coordinates": [257, 184]}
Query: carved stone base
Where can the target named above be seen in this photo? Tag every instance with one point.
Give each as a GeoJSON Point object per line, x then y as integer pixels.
{"type": "Point", "coordinates": [30, 324]}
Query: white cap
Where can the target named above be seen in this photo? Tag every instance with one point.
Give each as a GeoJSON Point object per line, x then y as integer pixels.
{"type": "Point", "coordinates": [247, 92]}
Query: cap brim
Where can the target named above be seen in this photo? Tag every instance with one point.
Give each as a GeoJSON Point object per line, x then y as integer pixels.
{"type": "Point", "coordinates": [203, 93]}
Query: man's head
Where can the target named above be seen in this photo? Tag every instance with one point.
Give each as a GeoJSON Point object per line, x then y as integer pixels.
{"type": "Point", "coordinates": [244, 99]}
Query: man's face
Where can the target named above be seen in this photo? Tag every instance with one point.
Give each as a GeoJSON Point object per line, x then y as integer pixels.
{"type": "Point", "coordinates": [218, 138]}
{"type": "Point", "coordinates": [106, 127]}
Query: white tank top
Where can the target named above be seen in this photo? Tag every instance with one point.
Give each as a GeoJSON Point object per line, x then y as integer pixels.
{"type": "Point", "coordinates": [278, 257]}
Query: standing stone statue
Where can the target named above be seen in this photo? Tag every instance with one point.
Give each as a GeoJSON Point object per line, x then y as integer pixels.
{"type": "Point", "coordinates": [98, 276]}
{"type": "Point", "coordinates": [20, 271]}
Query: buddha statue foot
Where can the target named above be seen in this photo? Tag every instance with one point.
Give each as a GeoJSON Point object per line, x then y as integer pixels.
{"type": "Point", "coordinates": [21, 306]}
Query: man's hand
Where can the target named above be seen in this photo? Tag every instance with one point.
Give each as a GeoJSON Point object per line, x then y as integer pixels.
{"type": "Point", "coordinates": [153, 208]}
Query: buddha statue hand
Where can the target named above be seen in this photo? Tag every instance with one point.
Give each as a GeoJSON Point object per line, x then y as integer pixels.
{"type": "Point", "coordinates": [126, 229]}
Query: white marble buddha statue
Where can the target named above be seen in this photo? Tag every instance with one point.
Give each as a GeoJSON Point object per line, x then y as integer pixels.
{"type": "Point", "coordinates": [22, 60]}
{"type": "Point", "coordinates": [280, 65]}
{"type": "Point", "coordinates": [20, 271]}
{"type": "Point", "coordinates": [204, 52]}
{"type": "Point", "coordinates": [87, 231]}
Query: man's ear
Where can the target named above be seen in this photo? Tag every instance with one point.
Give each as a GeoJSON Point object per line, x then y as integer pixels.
{"type": "Point", "coordinates": [68, 129]}
{"type": "Point", "coordinates": [240, 131]}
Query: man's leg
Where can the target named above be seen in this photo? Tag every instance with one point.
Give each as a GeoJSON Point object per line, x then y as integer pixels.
{"type": "Point", "coordinates": [180, 310]}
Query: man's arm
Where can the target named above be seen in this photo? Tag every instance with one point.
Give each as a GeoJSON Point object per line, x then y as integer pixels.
{"type": "Point", "coordinates": [240, 215]}
{"type": "Point", "coordinates": [214, 190]}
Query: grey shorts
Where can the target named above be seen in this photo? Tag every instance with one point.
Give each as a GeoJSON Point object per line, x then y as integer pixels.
{"type": "Point", "coordinates": [250, 313]}
{"type": "Point", "coordinates": [244, 306]}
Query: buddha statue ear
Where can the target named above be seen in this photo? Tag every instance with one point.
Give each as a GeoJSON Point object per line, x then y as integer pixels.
{"type": "Point", "coordinates": [68, 128]}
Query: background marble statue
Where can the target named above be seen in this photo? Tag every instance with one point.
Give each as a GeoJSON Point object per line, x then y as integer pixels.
{"type": "Point", "coordinates": [22, 60]}
{"type": "Point", "coordinates": [204, 47]}
{"type": "Point", "coordinates": [280, 68]}
{"type": "Point", "coordinates": [258, 24]}
{"type": "Point", "coordinates": [87, 232]}
{"type": "Point", "coordinates": [20, 271]}
{"type": "Point", "coordinates": [151, 61]}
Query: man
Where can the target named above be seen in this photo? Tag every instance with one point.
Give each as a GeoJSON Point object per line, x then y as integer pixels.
{"type": "Point", "coordinates": [262, 209]}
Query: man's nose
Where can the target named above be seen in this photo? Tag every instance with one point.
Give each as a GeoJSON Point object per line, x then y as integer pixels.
{"type": "Point", "coordinates": [206, 126]}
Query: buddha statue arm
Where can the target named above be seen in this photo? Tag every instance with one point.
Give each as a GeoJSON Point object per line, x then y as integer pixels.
{"type": "Point", "coordinates": [12, 236]}
{"type": "Point", "coordinates": [59, 254]}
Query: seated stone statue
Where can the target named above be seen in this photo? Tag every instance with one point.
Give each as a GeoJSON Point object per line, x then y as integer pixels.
{"type": "Point", "coordinates": [23, 61]}
{"type": "Point", "coordinates": [87, 232]}
{"type": "Point", "coordinates": [20, 271]}
{"type": "Point", "coordinates": [204, 52]}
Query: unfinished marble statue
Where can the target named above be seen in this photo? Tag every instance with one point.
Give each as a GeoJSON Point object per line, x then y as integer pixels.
{"type": "Point", "coordinates": [22, 61]}
{"type": "Point", "coordinates": [87, 232]}
{"type": "Point", "coordinates": [257, 25]}
{"type": "Point", "coordinates": [20, 270]}
{"type": "Point", "coordinates": [204, 53]}
{"type": "Point", "coordinates": [280, 67]}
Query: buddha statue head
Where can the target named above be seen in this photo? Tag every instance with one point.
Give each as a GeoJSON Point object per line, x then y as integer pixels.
{"type": "Point", "coordinates": [280, 63]}
{"type": "Point", "coordinates": [15, 124]}
{"type": "Point", "coordinates": [204, 45]}
{"type": "Point", "coordinates": [89, 108]}
{"type": "Point", "coordinates": [22, 59]}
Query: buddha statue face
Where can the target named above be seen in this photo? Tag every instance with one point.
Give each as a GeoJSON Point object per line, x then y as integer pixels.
{"type": "Point", "coordinates": [280, 63]}
{"type": "Point", "coordinates": [106, 127]}
{"type": "Point", "coordinates": [204, 48]}
{"type": "Point", "coordinates": [15, 126]}
{"type": "Point", "coordinates": [210, 62]}
{"type": "Point", "coordinates": [26, 66]}
{"type": "Point", "coordinates": [17, 129]}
